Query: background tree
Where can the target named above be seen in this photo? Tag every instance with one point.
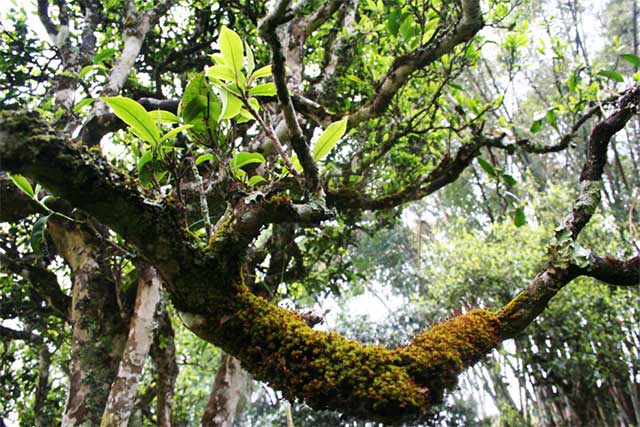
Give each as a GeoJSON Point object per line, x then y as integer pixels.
{"type": "Point", "coordinates": [235, 185]}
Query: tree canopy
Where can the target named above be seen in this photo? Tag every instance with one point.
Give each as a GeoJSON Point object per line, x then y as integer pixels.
{"type": "Point", "coordinates": [208, 161]}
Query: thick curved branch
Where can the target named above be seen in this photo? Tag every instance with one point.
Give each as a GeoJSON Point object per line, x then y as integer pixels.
{"type": "Point", "coordinates": [528, 304]}
{"type": "Point", "coordinates": [275, 344]}
{"type": "Point", "coordinates": [402, 68]}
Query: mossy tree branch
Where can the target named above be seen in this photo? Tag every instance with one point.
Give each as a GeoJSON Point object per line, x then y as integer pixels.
{"type": "Point", "coordinates": [275, 344]}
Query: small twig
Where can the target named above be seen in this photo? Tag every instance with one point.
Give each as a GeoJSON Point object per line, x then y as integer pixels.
{"type": "Point", "coordinates": [271, 134]}
{"type": "Point", "coordinates": [204, 207]}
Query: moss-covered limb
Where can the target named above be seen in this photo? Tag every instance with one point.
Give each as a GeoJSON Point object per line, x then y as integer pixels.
{"type": "Point", "coordinates": [330, 371]}
{"type": "Point", "coordinates": [529, 303]}
{"type": "Point", "coordinates": [87, 181]}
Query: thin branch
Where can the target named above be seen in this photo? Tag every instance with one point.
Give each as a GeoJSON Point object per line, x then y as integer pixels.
{"type": "Point", "coordinates": [7, 334]}
{"type": "Point", "coordinates": [43, 281]}
{"type": "Point", "coordinates": [278, 16]}
{"type": "Point", "coordinates": [403, 67]}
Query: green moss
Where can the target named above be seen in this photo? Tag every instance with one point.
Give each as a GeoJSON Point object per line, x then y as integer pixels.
{"type": "Point", "coordinates": [510, 310]}
{"type": "Point", "coordinates": [332, 372]}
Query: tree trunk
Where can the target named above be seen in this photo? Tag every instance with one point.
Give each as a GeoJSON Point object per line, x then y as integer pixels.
{"type": "Point", "coordinates": [163, 353]}
{"type": "Point", "coordinates": [42, 388]}
{"type": "Point", "coordinates": [227, 389]}
{"type": "Point", "coordinates": [122, 395]}
{"type": "Point", "coordinates": [98, 330]}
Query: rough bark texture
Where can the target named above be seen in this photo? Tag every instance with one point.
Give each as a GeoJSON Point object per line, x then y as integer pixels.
{"type": "Point", "coordinates": [98, 330]}
{"type": "Point", "coordinates": [163, 353]}
{"type": "Point", "coordinates": [123, 390]}
{"type": "Point", "coordinates": [227, 390]}
{"type": "Point", "coordinates": [206, 285]}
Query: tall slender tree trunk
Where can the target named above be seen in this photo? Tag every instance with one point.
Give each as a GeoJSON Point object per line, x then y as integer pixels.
{"type": "Point", "coordinates": [123, 391]}
{"type": "Point", "coordinates": [228, 387]}
{"type": "Point", "coordinates": [163, 353]}
{"type": "Point", "coordinates": [99, 332]}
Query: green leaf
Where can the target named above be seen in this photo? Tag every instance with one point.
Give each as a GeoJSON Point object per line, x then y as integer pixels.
{"type": "Point", "coordinates": [204, 158]}
{"type": "Point", "coordinates": [393, 21]}
{"type": "Point", "coordinates": [218, 59]}
{"type": "Point", "coordinates": [611, 75]}
{"type": "Point", "coordinates": [573, 81]}
{"type": "Point", "coordinates": [632, 59]}
{"type": "Point", "coordinates": [37, 233]}
{"type": "Point", "coordinates": [174, 132]}
{"type": "Point", "coordinates": [199, 111]}
{"type": "Point", "coordinates": [256, 179]}
{"type": "Point", "coordinates": [104, 54]}
{"type": "Point", "coordinates": [232, 49]}
{"type": "Point", "coordinates": [231, 105]}
{"type": "Point", "coordinates": [537, 125]}
{"type": "Point", "coordinates": [295, 162]}
{"type": "Point", "coordinates": [82, 103]}
{"type": "Point", "coordinates": [265, 89]}
{"type": "Point", "coordinates": [261, 72]}
{"type": "Point", "coordinates": [329, 139]}
{"type": "Point", "coordinates": [509, 180]}
{"type": "Point", "coordinates": [22, 183]}
{"type": "Point", "coordinates": [552, 118]}
{"type": "Point", "coordinates": [134, 114]}
{"type": "Point", "coordinates": [146, 158]}
{"type": "Point", "coordinates": [243, 158]}
{"type": "Point", "coordinates": [519, 219]}
{"type": "Point", "coordinates": [85, 70]}
{"type": "Point", "coordinates": [196, 106]}
{"type": "Point", "coordinates": [251, 63]}
{"type": "Point", "coordinates": [163, 117]}
{"type": "Point", "coordinates": [221, 72]}
{"type": "Point", "coordinates": [406, 29]}
{"type": "Point", "coordinates": [487, 167]}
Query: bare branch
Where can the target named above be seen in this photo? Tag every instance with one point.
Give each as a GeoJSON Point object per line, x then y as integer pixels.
{"type": "Point", "coordinates": [43, 14]}
{"type": "Point", "coordinates": [528, 304]}
{"type": "Point", "coordinates": [44, 282]}
{"type": "Point", "coordinates": [268, 32]}
{"type": "Point", "coordinates": [447, 171]}
{"type": "Point", "coordinates": [7, 334]}
{"type": "Point", "coordinates": [613, 271]}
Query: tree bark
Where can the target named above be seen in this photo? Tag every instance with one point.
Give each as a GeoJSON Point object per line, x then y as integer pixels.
{"type": "Point", "coordinates": [163, 353]}
{"type": "Point", "coordinates": [227, 390]}
{"type": "Point", "coordinates": [98, 331]}
{"type": "Point", "coordinates": [122, 395]}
